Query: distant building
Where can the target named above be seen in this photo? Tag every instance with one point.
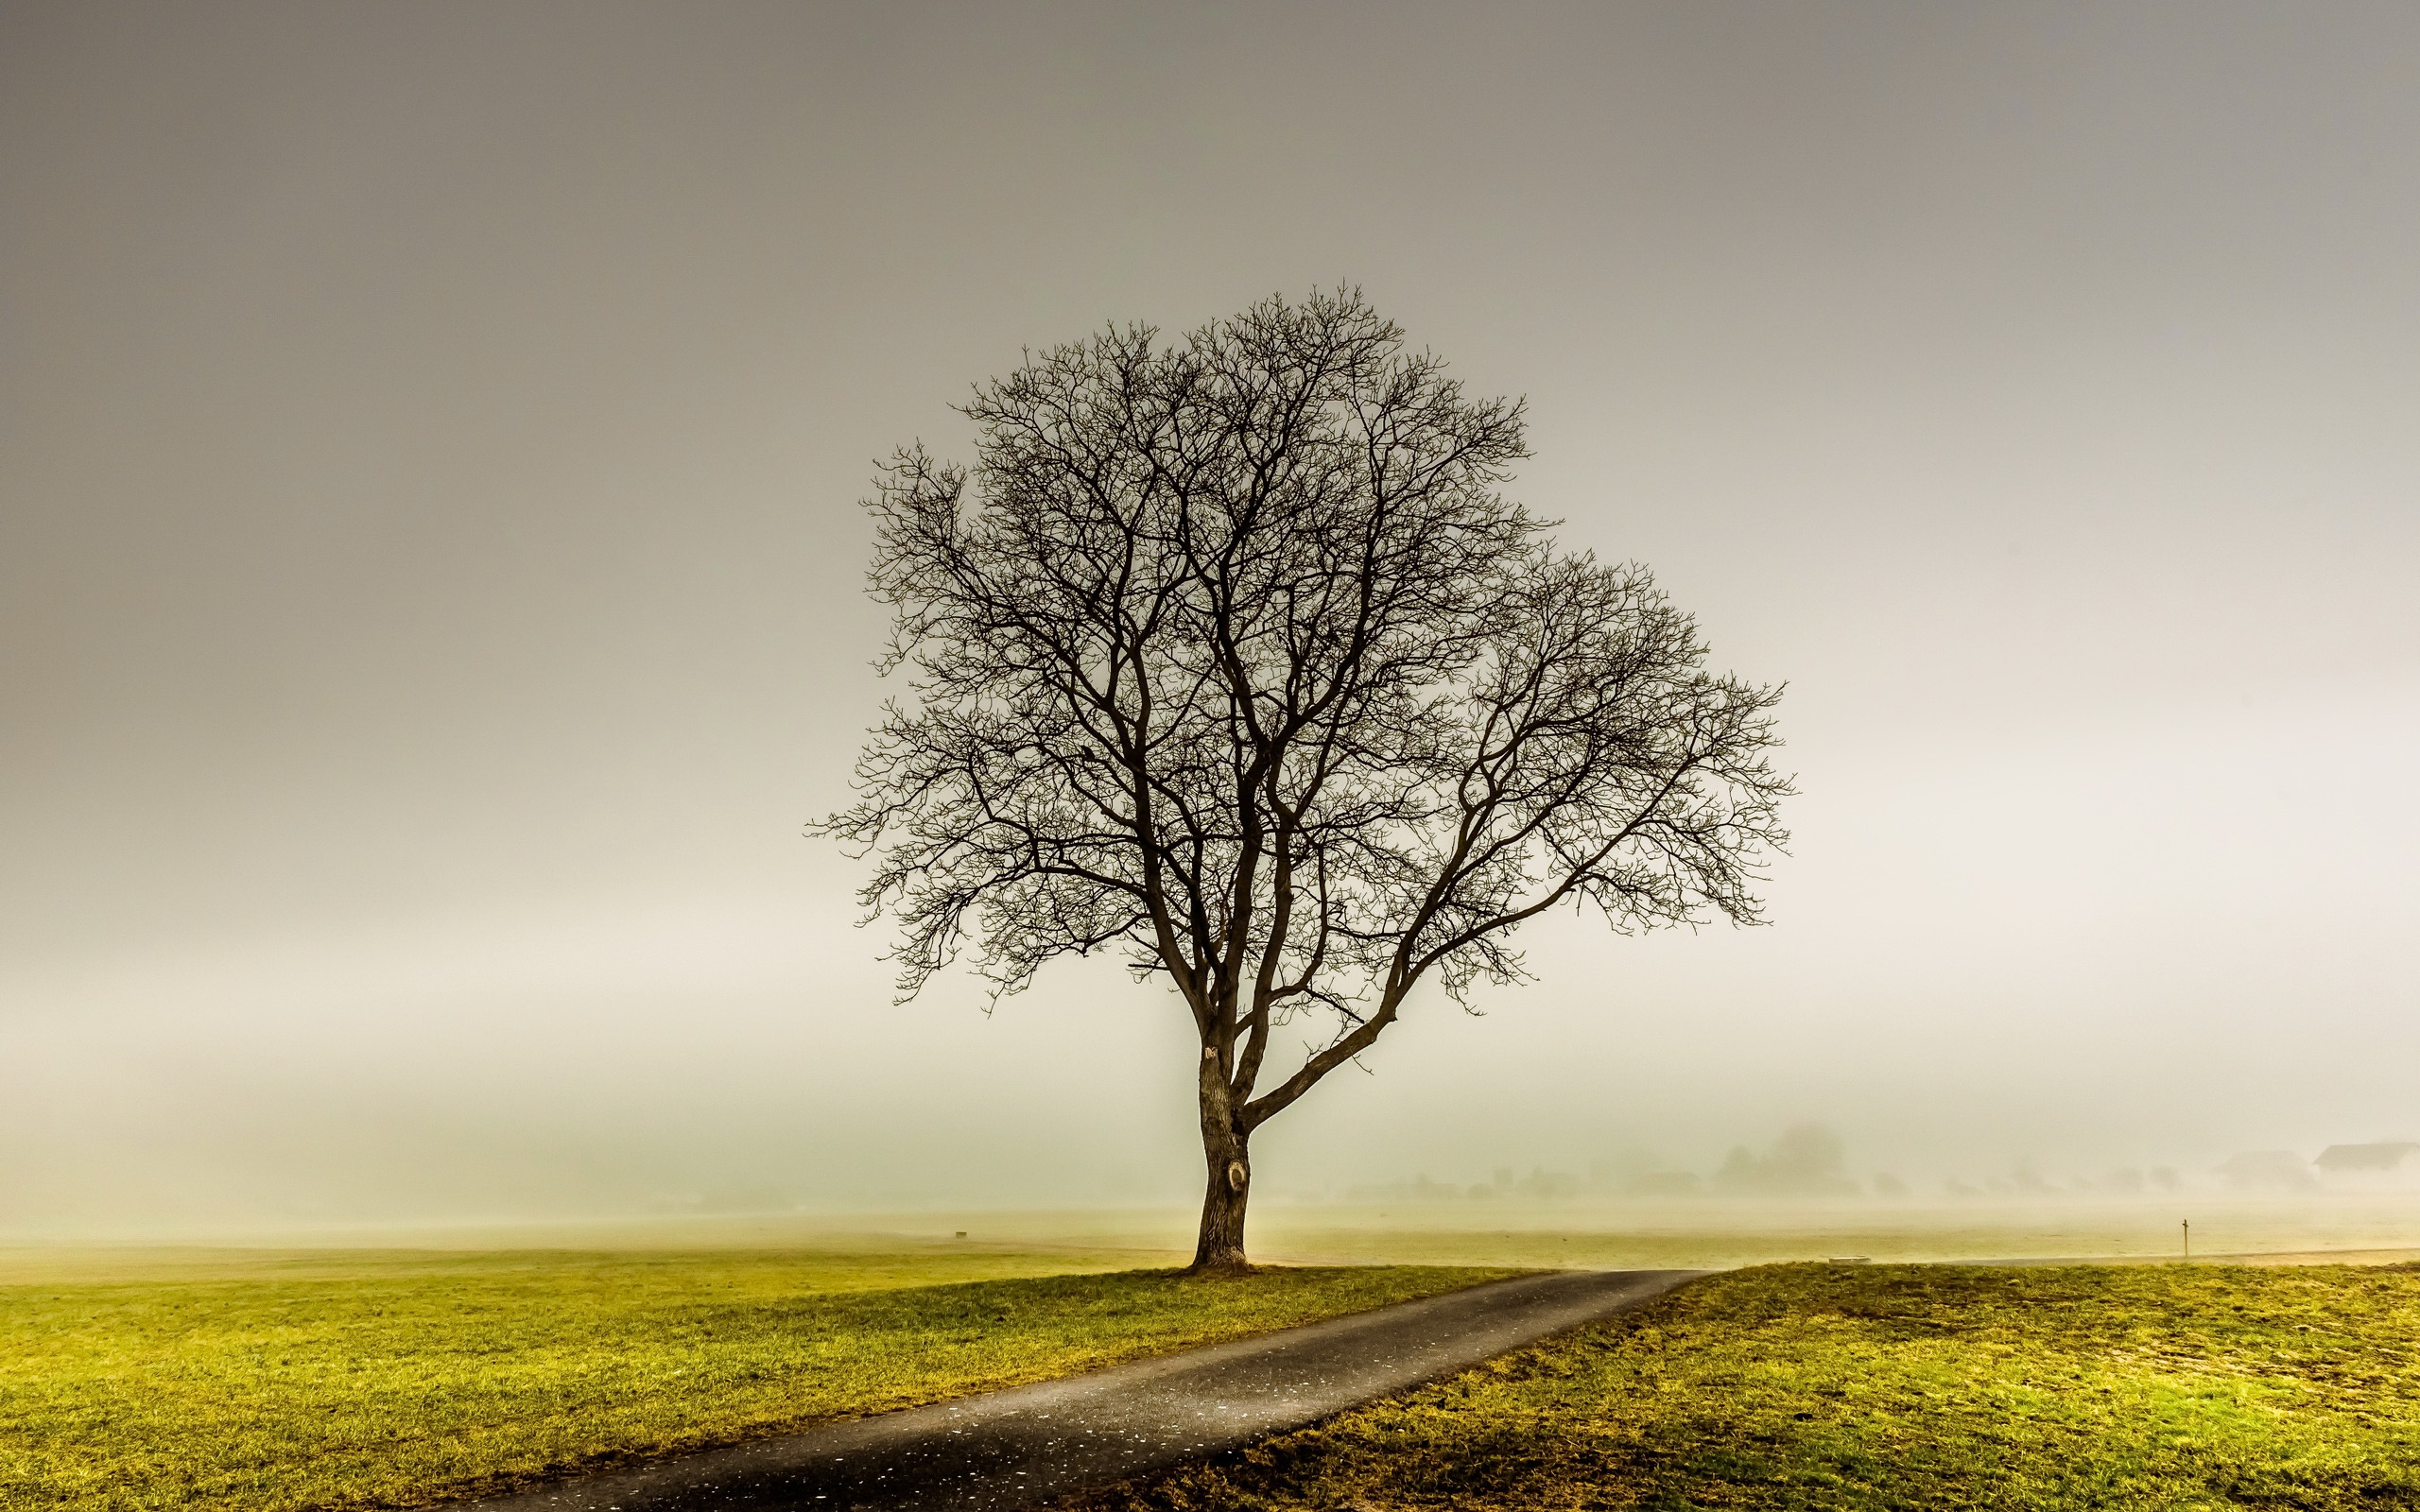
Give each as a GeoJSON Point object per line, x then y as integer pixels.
{"type": "Point", "coordinates": [2389, 1163]}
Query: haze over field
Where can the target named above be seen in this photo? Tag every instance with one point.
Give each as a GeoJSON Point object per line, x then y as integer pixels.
{"type": "Point", "coordinates": [431, 574]}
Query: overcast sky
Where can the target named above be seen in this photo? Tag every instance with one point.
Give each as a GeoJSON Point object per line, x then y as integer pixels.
{"type": "Point", "coordinates": [431, 570]}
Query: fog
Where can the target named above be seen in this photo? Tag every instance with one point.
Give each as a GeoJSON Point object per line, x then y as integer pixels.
{"type": "Point", "coordinates": [430, 576]}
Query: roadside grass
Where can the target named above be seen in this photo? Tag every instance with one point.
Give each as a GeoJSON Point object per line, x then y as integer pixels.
{"type": "Point", "coordinates": [333, 1381]}
{"type": "Point", "coordinates": [1837, 1388]}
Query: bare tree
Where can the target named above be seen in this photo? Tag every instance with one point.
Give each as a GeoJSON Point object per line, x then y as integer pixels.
{"type": "Point", "coordinates": [1229, 656]}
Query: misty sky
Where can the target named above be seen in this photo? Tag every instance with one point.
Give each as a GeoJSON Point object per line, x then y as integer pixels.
{"type": "Point", "coordinates": [431, 570]}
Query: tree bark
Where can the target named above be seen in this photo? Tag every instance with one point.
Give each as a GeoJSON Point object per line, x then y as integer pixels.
{"type": "Point", "coordinates": [1218, 1250]}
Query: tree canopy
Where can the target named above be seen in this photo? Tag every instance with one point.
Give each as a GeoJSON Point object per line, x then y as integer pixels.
{"type": "Point", "coordinates": [1229, 656]}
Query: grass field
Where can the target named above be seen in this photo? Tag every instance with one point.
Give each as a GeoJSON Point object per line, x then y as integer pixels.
{"type": "Point", "coordinates": [289, 1379]}
{"type": "Point", "coordinates": [1685, 1234]}
{"type": "Point", "coordinates": [1712, 1234]}
{"type": "Point", "coordinates": [276, 1381]}
{"type": "Point", "coordinates": [1838, 1388]}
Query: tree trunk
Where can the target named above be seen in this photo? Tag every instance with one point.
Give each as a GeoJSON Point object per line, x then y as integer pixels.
{"type": "Point", "coordinates": [1225, 1150]}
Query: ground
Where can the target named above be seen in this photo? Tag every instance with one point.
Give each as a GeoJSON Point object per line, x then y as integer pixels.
{"type": "Point", "coordinates": [336, 1381]}
{"type": "Point", "coordinates": [1873, 1387]}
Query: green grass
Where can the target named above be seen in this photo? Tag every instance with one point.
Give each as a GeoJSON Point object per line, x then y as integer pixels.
{"type": "Point", "coordinates": [267, 1381]}
{"type": "Point", "coordinates": [1812, 1386]}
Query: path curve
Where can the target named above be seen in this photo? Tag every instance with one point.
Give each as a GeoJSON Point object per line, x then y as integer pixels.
{"type": "Point", "coordinates": [1029, 1444]}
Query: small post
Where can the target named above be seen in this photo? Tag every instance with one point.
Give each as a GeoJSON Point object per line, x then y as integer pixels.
{"type": "Point", "coordinates": [2188, 1239]}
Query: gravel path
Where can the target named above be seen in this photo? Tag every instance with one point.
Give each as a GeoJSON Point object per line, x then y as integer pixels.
{"type": "Point", "coordinates": [1026, 1445]}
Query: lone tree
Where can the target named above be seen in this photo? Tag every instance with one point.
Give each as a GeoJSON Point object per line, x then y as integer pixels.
{"type": "Point", "coordinates": [1229, 657]}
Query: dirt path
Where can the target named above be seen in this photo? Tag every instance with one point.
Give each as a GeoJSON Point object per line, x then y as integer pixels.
{"type": "Point", "coordinates": [1020, 1446]}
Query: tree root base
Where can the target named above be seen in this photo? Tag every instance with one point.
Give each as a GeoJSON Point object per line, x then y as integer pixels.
{"type": "Point", "coordinates": [1222, 1265]}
